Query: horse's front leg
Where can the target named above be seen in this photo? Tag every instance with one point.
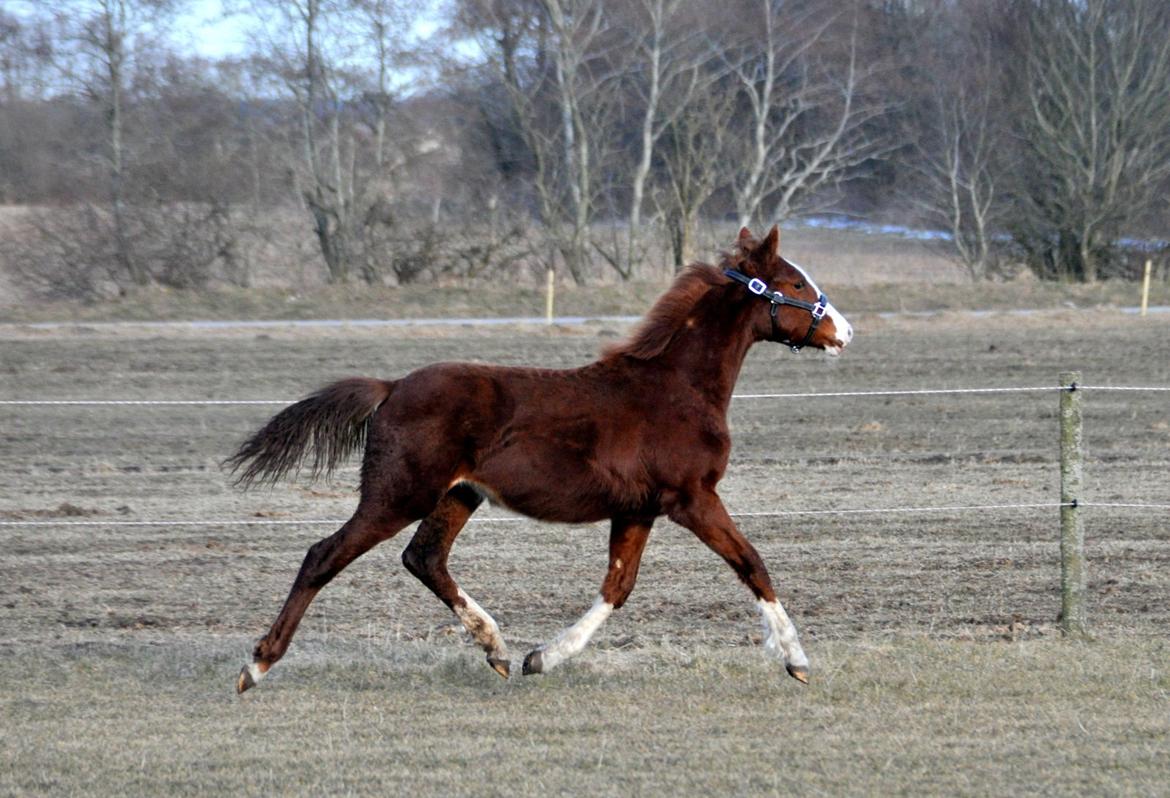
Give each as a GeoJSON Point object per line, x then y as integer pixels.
{"type": "Point", "coordinates": [703, 513]}
{"type": "Point", "coordinates": [627, 540]}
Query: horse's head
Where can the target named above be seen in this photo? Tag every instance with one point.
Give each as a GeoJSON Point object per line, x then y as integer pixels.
{"type": "Point", "coordinates": [792, 310]}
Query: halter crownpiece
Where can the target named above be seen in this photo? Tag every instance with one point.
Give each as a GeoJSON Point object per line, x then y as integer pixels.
{"type": "Point", "coordinates": [758, 287]}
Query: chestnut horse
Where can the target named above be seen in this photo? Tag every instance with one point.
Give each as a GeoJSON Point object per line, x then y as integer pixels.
{"type": "Point", "coordinates": [642, 432]}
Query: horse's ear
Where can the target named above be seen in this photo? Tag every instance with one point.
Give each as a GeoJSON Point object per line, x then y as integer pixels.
{"type": "Point", "coordinates": [770, 246]}
{"type": "Point", "coordinates": [745, 235]}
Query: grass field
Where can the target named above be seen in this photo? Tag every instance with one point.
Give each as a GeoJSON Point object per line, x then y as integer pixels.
{"type": "Point", "coordinates": [913, 715]}
{"type": "Point", "coordinates": [936, 665]}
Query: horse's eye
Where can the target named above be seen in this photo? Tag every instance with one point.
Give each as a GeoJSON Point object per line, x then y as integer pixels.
{"type": "Point", "coordinates": [799, 285]}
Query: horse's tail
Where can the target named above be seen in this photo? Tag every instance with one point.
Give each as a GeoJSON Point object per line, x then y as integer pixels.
{"type": "Point", "coordinates": [332, 423]}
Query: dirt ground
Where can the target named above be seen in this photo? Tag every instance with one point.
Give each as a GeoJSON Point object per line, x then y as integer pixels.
{"type": "Point", "coordinates": [106, 597]}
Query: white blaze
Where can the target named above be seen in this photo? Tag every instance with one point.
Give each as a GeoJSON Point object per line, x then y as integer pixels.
{"type": "Point", "coordinates": [844, 328]}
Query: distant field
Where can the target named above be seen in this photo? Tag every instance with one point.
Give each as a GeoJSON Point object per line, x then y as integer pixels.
{"type": "Point", "coordinates": [496, 300]}
{"type": "Point", "coordinates": [861, 272]}
{"type": "Point", "coordinates": [936, 663]}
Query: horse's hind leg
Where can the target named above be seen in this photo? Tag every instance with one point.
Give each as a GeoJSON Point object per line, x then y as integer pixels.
{"type": "Point", "coordinates": [627, 540]}
{"type": "Point", "coordinates": [705, 515]}
{"type": "Point", "coordinates": [426, 557]}
{"type": "Point", "coordinates": [324, 560]}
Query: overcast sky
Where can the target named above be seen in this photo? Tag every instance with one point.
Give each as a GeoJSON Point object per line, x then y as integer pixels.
{"type": "Point", "coordinates": [207, 31]}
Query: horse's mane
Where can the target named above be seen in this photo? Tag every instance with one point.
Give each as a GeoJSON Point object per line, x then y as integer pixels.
{"type": "Point", "coordinates": [658, 327]}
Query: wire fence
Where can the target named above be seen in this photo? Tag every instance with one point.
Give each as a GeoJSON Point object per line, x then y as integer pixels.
{"type": "Point", "coordinates": [738, 396]}
{"type": "Point", "coordinates": [961, 508]}
{"type": "Point", "coordinates": [222, 522]}
{"type": "Point", "coordinates": [1052, 505]}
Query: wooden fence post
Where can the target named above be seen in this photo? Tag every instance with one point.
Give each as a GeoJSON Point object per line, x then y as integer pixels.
{"type": "Point", "coordinates": [1072, 527]}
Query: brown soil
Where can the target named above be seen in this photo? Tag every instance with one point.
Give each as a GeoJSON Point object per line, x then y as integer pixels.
{"type": "Point", "coordinates": [982, 575]}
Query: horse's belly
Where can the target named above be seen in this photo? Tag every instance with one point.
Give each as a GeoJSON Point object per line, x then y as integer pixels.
{"type": "Point", "coordinates": [574, 475]}
{"type": "Point", "coordinates": [549, 500]}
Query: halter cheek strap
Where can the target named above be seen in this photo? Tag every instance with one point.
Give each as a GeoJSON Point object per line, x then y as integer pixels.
{"type": "Point", "coordinates": [760, 288]}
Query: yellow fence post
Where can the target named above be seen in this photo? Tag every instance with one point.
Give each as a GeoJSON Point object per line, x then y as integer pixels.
{"type": "Point", "coordinates": [549, 289]}
{"type": "Point", "coordinates": [1146, 287]}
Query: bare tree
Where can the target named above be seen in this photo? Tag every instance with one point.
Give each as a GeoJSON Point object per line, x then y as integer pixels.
{"type": "Point", "coordinates": [1096, 128]}
{"type": "Point", "coordinates": [665, 67]}
{"type": "Point", "coordinates": [959, 138]}
{"type": "Point", "coordinates": [692, 154]}
{"type": "Point", "coordinates": [808, 111]}
{"type": "Point", "coordinates": [343, 159]}
{"type": "Point", "coordinates": [382, 24]}
{"type": "Point", "coordinates": [26, 74]}
{"type": "Point", "coordinates": [106, 34]}
{"type": "Point", "coordinates": [581, 81]}
{"type": "Point", "coordinates": [506, 32]}
{"type": "Point", "coordinates": [314, 82]}
{"type": "Point", "coordinates": [606, 121]}
{"type": "Point", "coordinates": [26, 54]}
{"type": "Point", "coordinates": [549, 56]}
{"type": "Point", "coordinates": [134, 233]}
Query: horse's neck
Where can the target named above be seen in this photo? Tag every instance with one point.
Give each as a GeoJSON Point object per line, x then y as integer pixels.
{"type": "Point", "coordinates": [709, 356]}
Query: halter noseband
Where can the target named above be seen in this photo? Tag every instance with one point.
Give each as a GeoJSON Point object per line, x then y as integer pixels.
{"type": "Point", "coordinates": [760, 288]}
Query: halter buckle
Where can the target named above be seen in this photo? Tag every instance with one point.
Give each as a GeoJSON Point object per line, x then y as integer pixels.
{"type": "Point", "coordinates": [819, 309]}
{"type": "Point", "coordinates": [757, 286]}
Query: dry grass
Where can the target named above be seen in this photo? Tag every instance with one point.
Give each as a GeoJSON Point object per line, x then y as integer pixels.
{"type": "Point", "coordinates": [862, 273]}
{"type": "Point", "coordinates": [495, 300]}
{"type": "Point", "coordinates": [907, 716]}
{"type": "Point", "coordinates": [936, 666]}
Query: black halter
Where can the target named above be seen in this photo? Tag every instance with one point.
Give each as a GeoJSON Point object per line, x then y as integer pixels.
{"type": "Point", "coordinates": [760, 288]}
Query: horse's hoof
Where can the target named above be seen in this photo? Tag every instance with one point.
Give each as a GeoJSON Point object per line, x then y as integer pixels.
{"type": "Point", "coordinates": [500, 666]}
{"type": "Point", "coordinates": [798, 672]}
{"type": "Point", "coordinates": [249, 675]}
{"type": "Point", "coordinates": [533, 663]}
